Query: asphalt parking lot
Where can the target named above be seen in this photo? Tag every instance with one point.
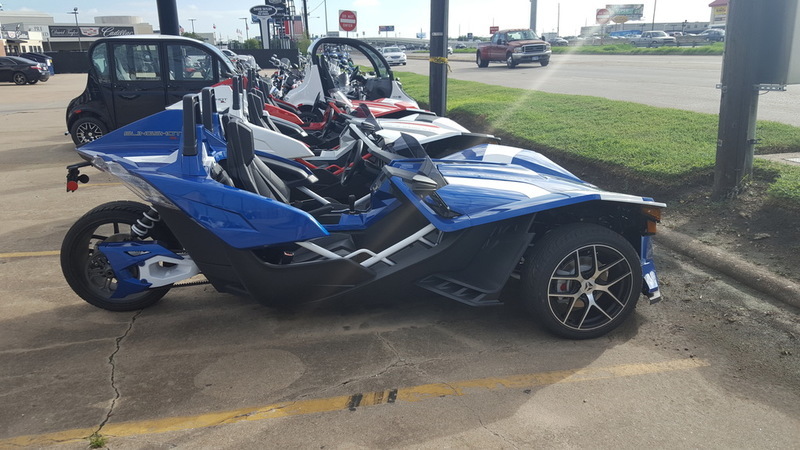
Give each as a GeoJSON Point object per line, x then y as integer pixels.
{"type": "Point", "coordinates": [714, 365]}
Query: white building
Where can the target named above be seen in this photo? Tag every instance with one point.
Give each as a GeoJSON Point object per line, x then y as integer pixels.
{"type": "Point", "coordinates": [34, 31]}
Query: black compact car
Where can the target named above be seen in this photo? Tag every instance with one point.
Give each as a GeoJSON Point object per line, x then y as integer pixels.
{"type": "Point", "coordinates": [131, 77]}
{"type": "Point", "coordinates": [40, 58]}
{"type": "Point", "coordinates": [22, 70]}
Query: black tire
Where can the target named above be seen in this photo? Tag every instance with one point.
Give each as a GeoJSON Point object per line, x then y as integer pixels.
{"type": "Point", "coordinates": [87, 271]}
{"type": "Point", "coordinates": [20, 78]}
{"type": "Point", "coordinates": [87, 129]}
{"type": "Point", "coordinates": [544, 62]}
{"type": "Point", "coordinates": [585, 303]}
{"type": "Point", "coordinates": [479, 61]}
{"type": "Point", "coordinates": [510, 61]}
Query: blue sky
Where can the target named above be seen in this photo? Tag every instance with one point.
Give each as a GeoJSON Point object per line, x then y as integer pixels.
{"type": "Point", "coordinates": [408, 16]}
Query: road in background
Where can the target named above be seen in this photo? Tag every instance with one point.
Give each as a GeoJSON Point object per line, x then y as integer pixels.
{"type": "Point", "coordinates": [668, 81]}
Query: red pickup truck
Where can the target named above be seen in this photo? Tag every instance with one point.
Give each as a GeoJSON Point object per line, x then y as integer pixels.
{"type": "Point", "coordinates": [513, 47]}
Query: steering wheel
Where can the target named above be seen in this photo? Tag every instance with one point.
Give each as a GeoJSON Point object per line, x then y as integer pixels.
{"type": "Point", "coordinates": [354, 163]}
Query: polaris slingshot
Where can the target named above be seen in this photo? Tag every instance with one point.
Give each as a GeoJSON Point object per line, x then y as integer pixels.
{"type": "Point", "coordinates": [459, 226]}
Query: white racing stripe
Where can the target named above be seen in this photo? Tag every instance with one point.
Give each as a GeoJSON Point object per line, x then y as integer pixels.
{"type": "Point", "coordinates": [525, 189]}
{"type": "Point", "coordinates": [500, 154]}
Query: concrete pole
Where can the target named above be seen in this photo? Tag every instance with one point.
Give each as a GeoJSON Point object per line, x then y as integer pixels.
{"type": "Point", "coordinates": [739, 100]}
{"type": "Point", "coordinates": [533, 15]}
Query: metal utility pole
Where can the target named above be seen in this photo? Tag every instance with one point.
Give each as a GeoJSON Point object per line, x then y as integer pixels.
{"type": "Point", "coordinates": [438, 60]}
{"type": "Point", "coordinates": [653, 24]}
{"type": "Point", "coordinates": [533, 15]}
{"type": "Point", "coordinates": [168, 17]}
{"type": "Point", "coordinates": [558, 21]}
{"type": "Point", "coordinates": [739, 101]}
{"type": "Point", "coordinates": [305, 19]}
{"type": "Point", "coordinates": [192, 20]}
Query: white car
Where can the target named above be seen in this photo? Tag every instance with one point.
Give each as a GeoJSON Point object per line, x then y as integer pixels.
{"type": "Point", "coordinates": [243, 62]}
{"type": "Point", "coordinates": [394, 56]}
{"type": "Point", "coordinates": [653, 39]}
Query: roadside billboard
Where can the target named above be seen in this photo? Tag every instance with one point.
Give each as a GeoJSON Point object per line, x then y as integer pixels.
{"type": "Point", "coordinates": [624, 13]}
{"type": "Point", "coordinates": [719, 15]}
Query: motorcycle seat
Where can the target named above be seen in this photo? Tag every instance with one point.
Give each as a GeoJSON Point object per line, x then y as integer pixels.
{"type": "Point", "coordinates": [248, 172]}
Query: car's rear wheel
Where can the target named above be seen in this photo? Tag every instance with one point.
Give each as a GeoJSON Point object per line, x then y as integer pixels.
{"type": "Point", "coordinates": [87, 129]}
{"type": "Point", "coordinates": [20, 78]}
{"type": "Point", "coordinates": [581, 280]}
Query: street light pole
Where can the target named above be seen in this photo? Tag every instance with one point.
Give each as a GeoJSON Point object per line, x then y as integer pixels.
{"type": "Point", "coordinates": [246, 28]}
{"type": "Point", "coordinates": [192, 20]}
{"type": "Point", "coordinates": [325, 2]}
{"type": "Point", "coordinates": [75, 12]}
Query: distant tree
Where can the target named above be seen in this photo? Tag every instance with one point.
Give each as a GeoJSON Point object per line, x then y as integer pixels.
{"type": "Point", "coordinates": [192, 35]}
{"type": "Point", "coordinates": [252, 43]}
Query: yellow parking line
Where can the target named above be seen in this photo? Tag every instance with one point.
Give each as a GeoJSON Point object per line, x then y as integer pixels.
{"type": "Point", "coordinates": [320, 405]}
{"type": "Point", "coordinates": [28, 254]}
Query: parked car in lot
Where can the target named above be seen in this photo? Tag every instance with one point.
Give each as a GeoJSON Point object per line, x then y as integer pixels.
{"type": "Point", "coordinates": [713, 35]}
{"type": "Point", "coordinates": [394, 55]}
{"type": "Point", "coordinates": [22, 71]}
{"type": "Point", "coordinates": [40, 58]}
{"type": "Point", "coordinates": [558, 41]}
{"type": "Point", "coordinates": [653, 39]}
{"type": "Point", "coordinates": [513, 47]}
{"type": "Point", "coordinates": [131, 77]}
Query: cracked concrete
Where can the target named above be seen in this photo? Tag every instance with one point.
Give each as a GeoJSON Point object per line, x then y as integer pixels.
{"type": "Point", "coordinates": [112, 363]}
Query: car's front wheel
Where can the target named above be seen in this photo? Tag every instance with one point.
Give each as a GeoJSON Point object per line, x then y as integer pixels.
{"type": "Point", "coordinates": [544, 62]}
{"type": "Point", "coordinates": [87, 129]}
{"type": "Point", "coordinates": [480, 61]}
{"type": "Point", "coordinates": [20, 78]}
{"type": "Point", "coordinates": [581, 280]}
{"type": "Point", "coordinates": [88, 271]}
{"type": "Point", "coordinates": [510, 61]}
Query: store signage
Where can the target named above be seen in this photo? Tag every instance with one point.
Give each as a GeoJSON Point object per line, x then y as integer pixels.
{"type": "Point", "coordinates": [74, 32]}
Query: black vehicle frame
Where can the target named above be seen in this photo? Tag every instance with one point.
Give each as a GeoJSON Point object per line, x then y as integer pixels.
{"type": "Point", "coordinates": [131, 77]}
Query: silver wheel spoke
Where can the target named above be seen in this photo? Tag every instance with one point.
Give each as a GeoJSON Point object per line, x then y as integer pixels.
{"type": "Point", "coordinates": [620, 278]}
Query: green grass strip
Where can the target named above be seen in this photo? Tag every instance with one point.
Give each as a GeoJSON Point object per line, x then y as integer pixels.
{"type": "Point", "coordinates": [669, 145]}
{"type": "Point", "coordinates": [715, 48]}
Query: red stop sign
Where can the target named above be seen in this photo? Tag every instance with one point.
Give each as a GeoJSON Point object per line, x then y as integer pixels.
{"type": "Point", "coordinates": [603, 16]}
{"type": "Point", "coordinates": [347, 20]}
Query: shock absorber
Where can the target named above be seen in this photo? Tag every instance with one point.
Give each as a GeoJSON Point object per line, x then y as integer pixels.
{"type": "Point", "coordinates": [143, 226]}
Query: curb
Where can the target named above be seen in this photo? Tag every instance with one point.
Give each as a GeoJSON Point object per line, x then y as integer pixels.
{"type": "Point", "coordinates": [753, 276]}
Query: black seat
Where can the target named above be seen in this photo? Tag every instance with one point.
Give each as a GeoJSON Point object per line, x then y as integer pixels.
{"type": "Point", "coordinates": [255, 113]}
{"type": "Point", "coordinates": [248, 172]}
